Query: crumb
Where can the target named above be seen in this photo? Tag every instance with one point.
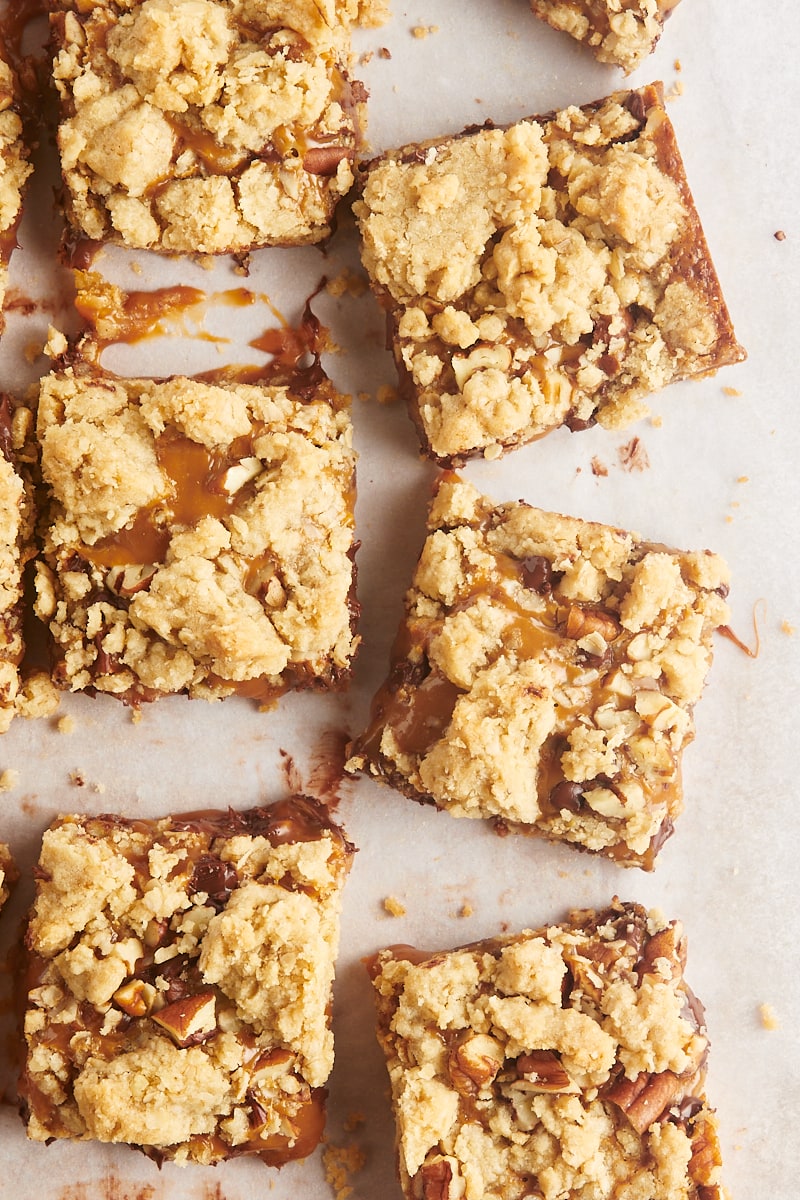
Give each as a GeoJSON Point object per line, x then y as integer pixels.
{"type": "Point", "coordinates": [136, 268]}
{"type": "Point", "coordinates": [676, 90]}
{"type": "Point", "coordinates": [363, 397]}
{"type": "Point", "coordinates": [341, 1162]}
{"type": "Point", "coordinates": [32, 351]}
{"type": "Point", "coordinates": [466, 909]}
{"type": "Point", "coordinates": [729, 520]}
{"type": "Point", "coordinates": [99, 789]}
{"type": "Point", "coordinates": [787, 628]}
{"type": "Point", "coordinates": [384, 52]}
{"type": "Point", "coordinates": [8, 779]}
{"type": "Point", "coordinates": [599, 467]}
{"type": "Point", "coordinates": [136, 716]}
{"type": "Point", "coordinates": [387, 394]}
{"type": "Point", "coordinates": [77, 779]}
{"type": "Point", "coordinates": [779, 235]}
{"type": "Point", "coordinates": [678, 65]}
{"type": "Point", "coordinates": [423, 31]}
{"type": "Point", "coordinates": [563, 874]}
{"type": "Point", "coordinates": [353, 1121]}
{"type": "Point", "coordinates": [743, 479]}
{"type": "Point", "coordinates": [393, 907]}
{"type": "Point", "coordinates": [633, 456]}
{"type": "Point", "coordinates": [347, 282]}
{"type": "Point", "coordinates": [56, 343]}
{"type": "Point", "coordinates": [657, 421]}
{"type": "Point", "coordinates": [768, 1017]}
{"type": "Point", "coordinates": [66, 724]}
{"type": "Point", "coordinates": [731, 391]}
{"type": "Point", "coordinates": [366, 58]}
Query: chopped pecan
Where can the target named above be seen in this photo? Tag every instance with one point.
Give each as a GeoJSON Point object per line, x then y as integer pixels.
{"type": "Point", "coordinates": [543, 1072]}
{"type": "Point", "coordinates": [436, 1180]}
{"type": "Point", "coordinates": [706, 1158]}
{"type": "Point", "coordinates": [324, 160]}
{"type": "Point", "coordinates": [190, 1020]}
{"type": "Point", "coordinates": [136, 998]}
{"type": "Point", "coordinates": [583, 621]}
{"type": "Point", "coordinates": [647, 1098]}
{"type": "Point", "coordinates": [474, 1063]}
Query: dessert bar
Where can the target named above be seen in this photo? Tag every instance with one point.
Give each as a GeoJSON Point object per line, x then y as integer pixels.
{"type": "Point", "coordinates": [204, 126]}
{"type": "Point", "coordinates": [550, 273]}
{"type": "Point", "coordinates": [16, 550]}
{"type": "Point", "coordinates": [179, 981]}
{"type": "Point", "coordinates": [14, 171]}
{"type": "Point", "coordinates": [620, 32]}
{"type": "Point", "coordinates": [198, 535]}
{"type": "Point", "coordinates": [563, 1062]}
{"type": "Point", "coordinates": [544, 675]}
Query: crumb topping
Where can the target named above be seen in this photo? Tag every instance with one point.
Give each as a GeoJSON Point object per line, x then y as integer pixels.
{"type": "Point", "coordinates": [524, 1061]}
{"type": "Point", "coordinates": [182, 972]}
{"type": "Point", "coordinates": [200, 536]}
{"type": "Point", "coordinates": [205, 126]}
{"type": "Point", "coordinates": [551, 272]}
{"type": "Point", "coordinates": [547, 673]}
{"type": "Point", "coordinates": [620, 32]}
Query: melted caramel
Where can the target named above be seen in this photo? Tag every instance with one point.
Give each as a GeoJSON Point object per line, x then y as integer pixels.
{"type": "Point", "coordinates": [140, 542]}
{"type": "Point", "coordinates": [216, 159]}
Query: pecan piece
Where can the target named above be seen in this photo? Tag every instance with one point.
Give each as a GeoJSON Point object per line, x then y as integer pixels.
{"type": "Point", "coordinates": [436, 1180]}
{"type": "Point", "coordinates": [581, 622]}
{"type": "Point", "coordinates": [324, 160]}
{"type": "Point", "coordinates": [542, 1071]}
{"type": "Point", "coordinates": [190, 1020]}
{"type": "Point", "coordinates": [473, 1064]}
{"type": "Point", "coordinates": [136, 998]}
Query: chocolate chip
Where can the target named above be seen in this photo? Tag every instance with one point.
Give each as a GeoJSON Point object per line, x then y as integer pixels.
{"type": "Point", "coordinates": [569, 796]}
{"type": "Point", "coordinates": [214, 877]}
{"type": "Point", "coordinates": [537, 574]}
{"type": "Point", "coordinates": [323, 160]}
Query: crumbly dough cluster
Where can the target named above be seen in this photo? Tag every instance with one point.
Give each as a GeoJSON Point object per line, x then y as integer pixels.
{"type": "Point", "coordinates": [199, 536]}
{"type": "Point", "coordinates": [553, 272]}
{"type": "Point", "coordinates": [545, 674]}
{"type": "Point", "coordinates": [14, 171]}
{"type": "Point", "coordinates": [563, 1062]}
{"type": "Point", "coordinates": [620, 32]}
{"type": "Point", "coordinates": [180, 981]}
{"type": "Point", "coordinates": [8, 872]}
{"type": "Point", "coordinates": [205, 126]}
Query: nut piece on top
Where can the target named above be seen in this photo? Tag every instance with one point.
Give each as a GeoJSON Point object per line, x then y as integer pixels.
{"type": "Point", "coordinates": [205, 126]}
{"type": "Point", "coordinates": [199, 535]}
{"type": "Point", "coordinates": [179, 981]}
{"type": "Point", "coordinates": [15, 170]}
{"type": "Point", "coordinates": [544, 675]}
{"type": "Point", "coordinates": [560, 1062]}
{"type": "Point", "coordinates": [550, 273]}
{"type": "Point", "coordinates": [620, 32]}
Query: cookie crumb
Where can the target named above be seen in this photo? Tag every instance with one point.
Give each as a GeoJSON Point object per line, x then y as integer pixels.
{"type": "Point", "coordinates": [394, 907]}
{"type": "Point", "coordinates": [731, 391]}
{"type": "Point", "coordinates": [387, 394]}
{"type": "Point", "coordinates": [77, 779]}
{"type": "Point", "coordinates": [347, 282]}
{"type": "Point", "coordinates": [743, 479]}
{"type": "Point", "coordinates": [769, 1019]}
{"type": "Point", "coordinates": [779, 235]}
{"type": "Point", "coordinates": [466, 909]}
{"type": "Point", "coordinates": [341, 1163]}
{"type": "Point", "coordinates": [599, 467]}
{"type": "Point", "coordinates": [788, 628]}
{"type": "Point", "coordinates": [8, 779]}
{"type": "Point", "coordinates": [423, 31]}
{"type": "Point", "coordinates": [66, 724]}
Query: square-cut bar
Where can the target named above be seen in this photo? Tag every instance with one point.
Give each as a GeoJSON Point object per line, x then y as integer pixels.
{"type": "Point", "coordinates": [205, 126]}
{"type": "Point", "coordinates": [544, 675]}
{"type": "Point", "coordinates": [620, 32]}
{"type": "Point", "coordinates": [15, 170]}
{"type": "Point", "coordinates": [16, 551]}
{"type": "Point", "coordinates": [550, 273]}
{"type": "Point", "coordinates": [179, 981]}
{"type": "Point", "coordinates": [199, 536]}
{"type": "Point", "coordinates": [560, 1063]}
